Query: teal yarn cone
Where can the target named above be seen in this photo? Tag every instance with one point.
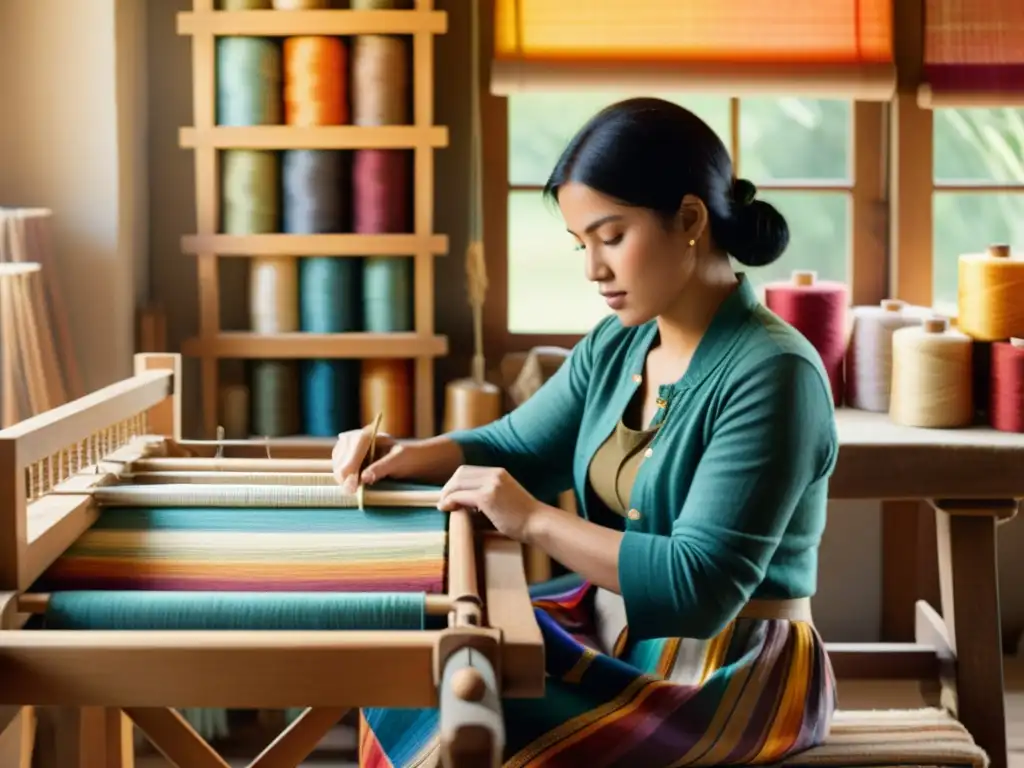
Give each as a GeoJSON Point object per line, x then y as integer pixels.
{"type": "Point", "coordinates": [248, 81]}
{"type": "Point", "coordinates": [330, 397]}
{"type": "Point", "coordinates": [387, 295]}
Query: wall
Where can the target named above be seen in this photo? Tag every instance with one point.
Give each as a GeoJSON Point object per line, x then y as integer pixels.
{"type": "Point", "coordinates": [74, 146]}
{"type": "Point", "coordinates": [70, 140]}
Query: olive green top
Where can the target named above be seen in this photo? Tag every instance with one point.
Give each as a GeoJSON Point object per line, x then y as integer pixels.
{"type": "Point", "coordinates": [731, 504]}
{"type": "Point", "coordinates": [616, 463]}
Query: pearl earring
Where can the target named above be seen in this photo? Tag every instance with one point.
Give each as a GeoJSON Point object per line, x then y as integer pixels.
{"type": "Point", "coordinates": [693, 243]}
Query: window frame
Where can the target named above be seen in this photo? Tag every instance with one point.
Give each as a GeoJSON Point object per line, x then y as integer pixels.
{"type": "Point", "coordinates": [868, 274]}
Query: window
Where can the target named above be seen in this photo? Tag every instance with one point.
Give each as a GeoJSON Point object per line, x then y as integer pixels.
{"type": "Point", "coordinates": [978, 175]}
{"type": "Point", "coordinates": [798, 151]}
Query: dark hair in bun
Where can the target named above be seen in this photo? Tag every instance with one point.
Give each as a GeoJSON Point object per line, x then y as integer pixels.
{"type": "Point", "coordinates": [651, 153]}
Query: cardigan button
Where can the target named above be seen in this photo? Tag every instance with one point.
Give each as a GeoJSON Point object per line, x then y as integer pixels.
{"type": "Point", "coordinates": [637, 378]}
{"type": "Point", "coordinates": [633, 514]}
{"type": "Point", "coordinates": [648, 453]}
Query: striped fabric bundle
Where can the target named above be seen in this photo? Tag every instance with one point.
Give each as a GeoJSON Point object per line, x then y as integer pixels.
{"type": "Point", "coordinates": [257, 550]}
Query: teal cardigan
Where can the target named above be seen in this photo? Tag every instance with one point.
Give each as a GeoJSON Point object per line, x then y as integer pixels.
{"type": "Point", "coordinates": [731, 504]}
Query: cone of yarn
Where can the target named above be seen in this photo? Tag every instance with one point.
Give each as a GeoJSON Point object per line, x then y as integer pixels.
{"type": "Point", "coordinates": [248, 78]}
{"type": "Point", "coordinates": [868, 372]}
{"type": "Point", "coordinates": [330, 396]}
{"type": "Point", "coordinates": [386, 387]}
{"type": "Point", "coordinates": [1006, 396]}
{"type": "Point", "coordinates": [315, 191]}
{"type": "Point", "coordinates": [931, 376]}
{"type": "Point", "coordinates": [274, 294]}
{"type": "Point", "coordinates": [380, 5]}
{"type": "Point", "coordinates": [234, 410]}
{"type": "Point", "coordinates": [244, 5]}
{"type": "Point", "coordinates": [381, 191]}
{"type": "Point", "coordinates": [989, 290]}
{"type": "Point", "coordinates": [250, 181]}
{"type": "Point", "coordinates": [315, 81]}
{"type": "Point", "coordinates": [275, 398]}
{"type": "Point", "coordinates": [817, 309]}
{"type": "Point", "coordinates": [380, 80]}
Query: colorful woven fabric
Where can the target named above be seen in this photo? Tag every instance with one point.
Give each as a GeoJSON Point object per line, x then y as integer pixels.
{"type": "Point", "coordinates": [758, 693]}
{"type": "Point", "coordinates": [262, 550]}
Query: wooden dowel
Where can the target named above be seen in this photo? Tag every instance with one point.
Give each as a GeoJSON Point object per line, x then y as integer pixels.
{"type": "Point", "coordinates": [462, 574]}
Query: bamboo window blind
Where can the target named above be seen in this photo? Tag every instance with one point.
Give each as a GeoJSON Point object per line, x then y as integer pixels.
{"type": "Point", "coordinates": [973, 53]}
{"type": "Point", "coordinates": [833, 48]}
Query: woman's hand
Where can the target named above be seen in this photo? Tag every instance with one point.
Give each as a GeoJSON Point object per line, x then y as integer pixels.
{"type": "Point", "coordinates": [392, 459]}
{"type": "Point", "coordinates": [495, 493]}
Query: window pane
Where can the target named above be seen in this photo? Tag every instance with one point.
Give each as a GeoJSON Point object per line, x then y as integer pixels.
{"type": "Point", "coordinates": [979, 145]}
{"type": "Point", "coordinates": [819, 236]}
{"type": "Point", "coordinates": [787, 139]}
{"type": "Point", "coordinates": [541, 124]}
{"type": "Point", "coordinates": [548, 290]}
{"type": "Point", "coordinates": [968, 222]}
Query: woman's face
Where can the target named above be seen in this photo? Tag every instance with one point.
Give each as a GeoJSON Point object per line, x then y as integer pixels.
{"type": "Point", "coordinates": [640, 265]}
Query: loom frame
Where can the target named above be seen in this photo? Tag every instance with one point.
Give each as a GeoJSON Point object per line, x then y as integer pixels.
{"type": "Point", "coordinates": [121, 676]}
{"type": "Point", "coordinates": [205, 138]}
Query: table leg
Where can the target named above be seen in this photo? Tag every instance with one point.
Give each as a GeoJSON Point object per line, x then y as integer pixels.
{"type": "Point", "coordinates": [968, 577]}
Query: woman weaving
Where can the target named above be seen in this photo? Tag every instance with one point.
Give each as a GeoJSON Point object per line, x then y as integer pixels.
{"type": "Point", "coordinates": [698, 432]}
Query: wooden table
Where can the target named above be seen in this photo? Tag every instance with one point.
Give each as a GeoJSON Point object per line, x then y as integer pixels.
{"type": "Point", "coordinates": [973, 479]}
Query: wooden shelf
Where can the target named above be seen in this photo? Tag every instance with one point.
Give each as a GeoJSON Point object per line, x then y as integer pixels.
{"type": "Point", "coordinates": [306, 346]}
{"type": "Point", "coordinates": [283, 137]}
{"type": "Point", "coordinates": [315, 245]}
{"type": "Point", "coordinates": [320, 22]}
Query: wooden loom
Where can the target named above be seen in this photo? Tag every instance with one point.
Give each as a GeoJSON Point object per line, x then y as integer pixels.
{"type": "Point", "coordinates": [56, 468]}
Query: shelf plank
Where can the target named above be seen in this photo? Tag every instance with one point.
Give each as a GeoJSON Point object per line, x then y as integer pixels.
{"type": "Point", "coordinates": [295, 346]}
{"type": "Point", "coordinates": [268, 23]}
{"type": "Point", "coordinates": [283, 137]}
{"type": "Point", "coordinates": [315, 245]}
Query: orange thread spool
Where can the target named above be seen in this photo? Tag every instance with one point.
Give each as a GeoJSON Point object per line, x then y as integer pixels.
{"type": "Point", "coordinates": [386, 387]}
{"type": "Point", "coordinates": [315, 80]}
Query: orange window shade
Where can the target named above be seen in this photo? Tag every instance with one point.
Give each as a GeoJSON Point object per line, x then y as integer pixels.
{"type": "Point", "coordinates": [974, 50]}
{"type": "Point", "coordinates": [738, 45]}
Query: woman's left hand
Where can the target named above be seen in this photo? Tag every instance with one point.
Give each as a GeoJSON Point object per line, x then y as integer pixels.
{"type": "Point", "coordinates": [495, 493]}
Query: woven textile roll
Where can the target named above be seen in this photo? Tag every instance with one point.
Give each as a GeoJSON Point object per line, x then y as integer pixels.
{"type": "Point", "coordinates": [382, 190]}
{"type": "Point", "coordinates": [274, 294]}
{"type": "Point", "coordinates": [315, 195]}
{"type": "Point", "coordinates": [250, 192]}
{"type": "Point", "coordinates": [380, 80]}
{"type": "Point", "coordinates": [248, 81]}
{"type": "Point", "coordinates": [315, 81]}
{"type": "Point", "coordinates": [275, 395]}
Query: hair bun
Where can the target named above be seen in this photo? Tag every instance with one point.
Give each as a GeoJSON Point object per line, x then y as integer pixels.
{"type": "Point", "coordinates": [743, 192]}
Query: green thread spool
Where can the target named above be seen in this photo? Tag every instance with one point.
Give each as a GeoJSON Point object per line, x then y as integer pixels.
{"type": "Point", "coordinates": [248, 81]}
{"type": "Point", "coordinates": [275, 395]}
{"type": "Point", "coordinates": [387, 295]}
{"type": "Point", "coordinates": [250, 184]}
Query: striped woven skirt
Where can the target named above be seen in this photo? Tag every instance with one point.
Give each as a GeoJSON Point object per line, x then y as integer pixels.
{"type": "Point", "coordinates": [759, 692]}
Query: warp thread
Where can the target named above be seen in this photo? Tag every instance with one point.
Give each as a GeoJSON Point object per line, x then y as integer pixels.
{"type": "Point", "coordinates": [249, 192]}
{"type": "Point", "coordinates": [989, 290]}
{"type": "Point", "coordinates": [869, 354]}
{"type": "Point", "coordinates": [248, 81]}
{"type": "Point", "coordinates": [818, 310]}
{"type": "Point", "coordinates": [315, 81]}
{"type": "Point", "coordinates": [315, 191]}
{"type": "Point", "coordinates": [931, 376]}
{"type": "Point", "coordinates": [274, 294]}
{"type": "Point", "coordinates": [386, 387]}
{"type": "Point", "coordinates": [380, 80]}
{"type": "Point", "coordinates": [274, 398]}
{"type": "Point", "coordinates": [1006, 398]}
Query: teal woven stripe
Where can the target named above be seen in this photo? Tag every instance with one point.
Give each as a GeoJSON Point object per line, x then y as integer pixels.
{"type": "Point", "coordinates": [235, 611]}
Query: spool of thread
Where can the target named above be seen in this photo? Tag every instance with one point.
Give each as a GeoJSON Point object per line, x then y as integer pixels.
{"type": "Point", "coordinates": [330, 397]}
{"type": "Point", "coordinates": [234, 410]}
{"type": "Point", "coordinates": [380, 5]}
{"type": "Point", "coordinates": [989, 290]}
{"type": "Point", "coordinates": [300, 5]}
{"type": "Point", "coordinates": [386, 387]}
{"type": "Point", "coordinates": [244, 5]}
{"type": "Point", "coordinates": [387, 295]}
{"type": "Point", "coordinates": [931, 376]}
{"type": "Point", "coordinates": [274, 294]}
{"type": "Point", "coordinates": [380, 80]}
{"type": "Point", "coordinates": [818, 310]}
{"type": "Point", "coordinates": [1006, 399]}
{"type": "Point", "coordinates": [275, 396]}
{"type": "Point", "coordinates": [249, 192]}
{"type": "Point", "coordinates": [315, 79]}
{"type": "Point", "coordinates": [315, 191]}
{"type": "Point", "coordinates": [329, 294]}
{"type": "Point", "coordinates": [469, 404]}
{"type": "Point", "coordinates": [248, 81]}
{"type": "Point", "coordinates": [381, 191]}
{"type": "Point", "coordinates": [869, 354]}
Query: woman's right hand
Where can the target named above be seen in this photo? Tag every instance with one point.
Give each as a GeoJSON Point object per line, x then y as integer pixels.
{"type": "Point", "coordinates": [392, 459]}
